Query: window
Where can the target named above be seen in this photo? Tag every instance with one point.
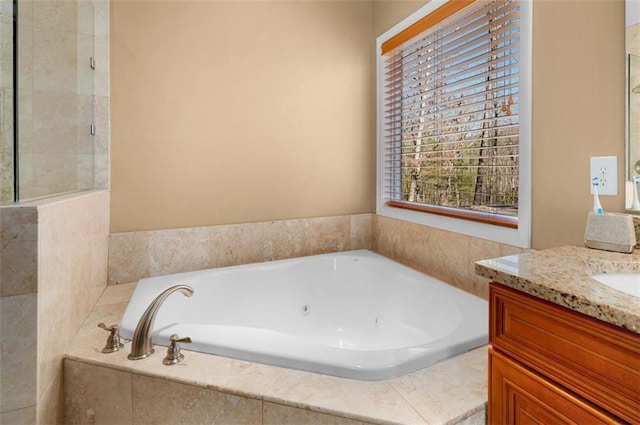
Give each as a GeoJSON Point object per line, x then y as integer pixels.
{"type": "Point", "coordinates": [453, 114]}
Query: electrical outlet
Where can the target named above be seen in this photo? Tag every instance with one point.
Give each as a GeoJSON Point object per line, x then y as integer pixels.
{"type": "Point", "coordinates": [606, 169]}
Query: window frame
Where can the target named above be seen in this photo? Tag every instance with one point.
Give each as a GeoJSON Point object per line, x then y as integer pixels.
{"type": "Point", "coordinates": [520, 236]}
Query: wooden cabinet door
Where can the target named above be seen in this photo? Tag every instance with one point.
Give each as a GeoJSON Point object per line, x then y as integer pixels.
{"type": "Point", "coordinates": [595, 360]}
{"type": "Point", "coordinates": [518, 395]}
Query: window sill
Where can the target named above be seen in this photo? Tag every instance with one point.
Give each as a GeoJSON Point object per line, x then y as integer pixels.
{"type": "Point", "coordinates": [496, 220]}
{"type": "Point", "coordinates": [515, 236]}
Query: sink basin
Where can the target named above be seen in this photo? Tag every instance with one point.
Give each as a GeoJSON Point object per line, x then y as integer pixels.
{"type": "Point", "coordinates": [625, 282]}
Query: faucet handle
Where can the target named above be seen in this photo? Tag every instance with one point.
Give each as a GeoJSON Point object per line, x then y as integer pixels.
{"type": "Point", "coordinates": [173, 352]}
{"type": "Point", "coordinates": [113, 340]}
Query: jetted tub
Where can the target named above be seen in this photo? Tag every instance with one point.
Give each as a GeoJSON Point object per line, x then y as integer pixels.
{"type": "Point", "coordinates": [352, 314]}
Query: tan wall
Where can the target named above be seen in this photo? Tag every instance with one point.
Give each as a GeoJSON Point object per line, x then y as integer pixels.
{"type": "Point", "coordinates": [387, 13]}
{"type": "Point", "coordinates": [230, 112]}
{"type": "Point", "coordinates": [578, 111]}
{"type": "Point", "coordinates": [174, 145]}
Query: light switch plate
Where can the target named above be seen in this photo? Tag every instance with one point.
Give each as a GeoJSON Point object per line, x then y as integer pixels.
{"type": "Point", "coordinates": [606, 169]}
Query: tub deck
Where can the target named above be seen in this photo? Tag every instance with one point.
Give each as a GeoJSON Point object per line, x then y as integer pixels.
{"type": "Point", "coordinates": [453, 391]}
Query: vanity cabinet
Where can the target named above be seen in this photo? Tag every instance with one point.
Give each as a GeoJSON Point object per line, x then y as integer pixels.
{"type": "Point", "coordinates": [551, 365]}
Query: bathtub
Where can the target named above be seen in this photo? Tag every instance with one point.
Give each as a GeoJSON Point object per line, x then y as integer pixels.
{"type": "Point", "coordinates": [352, 314]}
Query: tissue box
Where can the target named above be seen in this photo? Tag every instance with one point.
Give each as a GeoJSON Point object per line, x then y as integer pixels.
{"type": "Point", "coordinates": [610, 232]}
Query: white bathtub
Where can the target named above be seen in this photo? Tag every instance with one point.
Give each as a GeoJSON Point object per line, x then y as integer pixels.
{"type": "Point", "coordinates": [353, 314]}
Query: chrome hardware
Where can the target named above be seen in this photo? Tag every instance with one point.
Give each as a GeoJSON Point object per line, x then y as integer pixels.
{"type": "Point", "coordinates": [173, 352]}
{"type": "Point", "coordinates": [141, 346]}
{"type": "Point", "coordinates": [92, 129]}
{"type": "Point", "coordinates": [113, 341]}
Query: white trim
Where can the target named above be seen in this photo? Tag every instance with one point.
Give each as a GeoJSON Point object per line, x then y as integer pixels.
{"type": "Point", "coordinates": [520, 237]}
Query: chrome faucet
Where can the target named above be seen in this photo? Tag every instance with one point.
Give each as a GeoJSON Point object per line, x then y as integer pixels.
{"type": "Point", "coordinates": [141, 346]}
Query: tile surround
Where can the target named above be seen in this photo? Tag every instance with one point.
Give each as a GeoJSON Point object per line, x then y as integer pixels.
{"type": "Point", "coordinates": [18, 360]}
{"type": "Point", "coordinates": [136, 255]}
{"type": "Point", "coordinates": [444, 255]}
{"type": "Point", "coordinates": [85, 402]}
{"type": "Point", "coordinates": [187, 404]}
{"type": "Point", "coordinates": [18, 251]}
{"type": "Point", "coordinates": [266, 394]}
{"type": "Point", "coordinates": [76, 230]}
{"type": "Point", "coordinates": [64, 242]}
{"type": "Point", "coordinates": [278, 414]}
{"type": "Point", "coordinates": [19, 417]}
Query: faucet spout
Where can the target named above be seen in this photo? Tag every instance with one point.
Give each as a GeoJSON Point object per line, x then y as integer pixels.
{"type": "Point", "coordinates": [141, 346]}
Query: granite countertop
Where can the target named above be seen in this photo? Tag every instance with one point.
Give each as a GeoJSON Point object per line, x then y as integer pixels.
{"type": "Point", "coordinates": [563, 277]}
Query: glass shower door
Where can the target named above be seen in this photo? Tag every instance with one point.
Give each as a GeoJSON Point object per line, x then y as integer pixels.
{"type": "Point", "coordinates": [53, 151]}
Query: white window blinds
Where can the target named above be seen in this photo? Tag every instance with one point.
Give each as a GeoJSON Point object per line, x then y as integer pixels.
{"type": "Point", "coordinates": [451, 115]}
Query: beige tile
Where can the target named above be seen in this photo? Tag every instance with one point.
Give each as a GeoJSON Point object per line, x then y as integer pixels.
{"type": "Point", "coordinates": [90, 339]}
{"type": "Point", "coordinates": [480, 249]}
{"type": "Point", "coordinates": [215, 372]}
{"type": "Point", "coordinates": [25, 44]}
{"type": "Point", "coordinates": [240, 244]}
{"type": "Point", "coordinates": [18, 360]}
{"type": "Point", "coordinates": [85, 116]}
{"type": "Point", "coordinates": [445, 255]}
{"type": "Point", "coordinates": [117, 294]}
{"type": "Point", "coordinates": [101, 171]}
{"type": "Point", "coordinates": [452, 259]}
{"type": "Point", "coordinates": [159, 401]}
{"type": "Point", "coordinates": [101, 74]}
{"type": "Point", "coordinates": [361, 231]}
{"type": "Point", "coordinates": [133, 256]}
{"type": "Point", "coordinates": [18, 251]}
{"type": "Point", "coordinates": [276, 240]}
{"type": "Point", "coordinates": [445, 391]}
{"type": "Point", "coordinates": [6, 172]}
{"type": "Point", "coordinates": [180, 250]}
{"type": "Point", "coordinates": [325, 234]}
{"type": "Point", "coordinates": [96, 395]}
{"type": "Point", "coordinates": [478, 418]}
{"type": "Point", "coordinates": [6, 49]}
{"type": "Point", "coordinates": [101, 18]}
{"type": "Point", "coordinates": [72, 268]}
{"type": "Point", "coordinates": [54, 132]}
{"type": "Point", "coordinates": [85, 171]}
{"type": "Point", "coordinates": [358, 400]}
{"type": "Point", "coordinates": [50, 409]}
{"type": "Point", "coordinates": [54, 173]}
{"type": "Point", "coordinates": [85, 18]}
{"type": "Point", "coordinates": [84, 73]}
{"type": "Point", "coordinates": [128, 257]}
{"type": "Point", "coordinates": [101, 116]}
{"type": "Point", "coordinates": [55, 14]}
{"type": "Point", "coordinates": [232, 376]}
{"type": "Point", "coordinates": [453, 383]}
{"type": "Point", "coordinates": [54, 60]}
{"type": "Point", "coordinates": [26, 416]}
{"type": "Point", "coordinates": [278, 414]}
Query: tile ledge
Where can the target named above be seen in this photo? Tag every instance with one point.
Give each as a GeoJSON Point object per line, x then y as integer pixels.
{"type": "Point", "coordinates": [83, 349]}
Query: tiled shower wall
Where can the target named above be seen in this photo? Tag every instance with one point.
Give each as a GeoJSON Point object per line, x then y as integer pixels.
{"type": "Point", "coordinates": [52, 251]}
{"type": "Point", "coordinates": [444, 255]}
{"type": "Point", "coordinates": [6, 101]}
{"type": "Point", "coordinates": [52, 270]}
{"type": "Point", "coordinates": [59, 94]}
